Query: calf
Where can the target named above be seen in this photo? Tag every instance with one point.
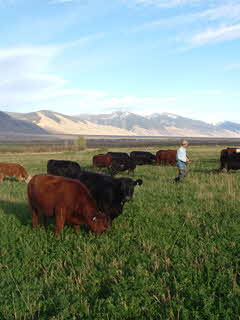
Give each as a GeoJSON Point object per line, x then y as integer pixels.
{"type": "Point", "coordinates": [166, 157]}
{"type": "Point", "coordinates": [143, 157]}
{"type": "Point", "coordinates": [66, 199]}
{"type": "Point", "coordinates": [63, 168]}
{"type": "Point", "coordinates": [13, 170]}
{"type": "Point", "coordinates": [109, 193]}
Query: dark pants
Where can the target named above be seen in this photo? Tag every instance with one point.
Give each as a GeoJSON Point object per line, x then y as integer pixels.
{"type": "Point", "coordinates": [181, 176]}
{"type": "Point", "coordinates": [182, 171]}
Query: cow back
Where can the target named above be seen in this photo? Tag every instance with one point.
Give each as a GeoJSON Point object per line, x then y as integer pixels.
{"type": "Point", "coordinates": [142, 157]}
{"type": "Point", "coordinates": [102, 161]}
{"type": "Point", "coordinates": [166, 157]}
{"type": "Point", "coordinates": [64, 168]}
{"type": "Point", "coordinates": [118, 155]}
{"type": "Point", "coordinates": [13, 170]}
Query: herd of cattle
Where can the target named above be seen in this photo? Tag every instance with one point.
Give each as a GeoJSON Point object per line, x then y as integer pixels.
{"type": "Point", "coordinates": [76, 196]}
{"type": "Point", "coordinates": [120, 161]}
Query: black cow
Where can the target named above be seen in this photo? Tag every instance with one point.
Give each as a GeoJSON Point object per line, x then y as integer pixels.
{"type": "Point", "coordinates": [143, 157]}
{"type": "Point", "coordinates": [109, 193]}
{"type": "Point", "coordinates": [118, 155]}
{"type": "Point", "coordinates": [122, 164]}
{"type": "Point", "coordinates": [68, 169]}
{"type": "Point", "coordinates": [230, 161]}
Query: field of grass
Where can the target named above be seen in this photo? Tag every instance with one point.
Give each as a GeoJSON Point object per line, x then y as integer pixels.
{"type": "Point", "coordinates": [173, 254]}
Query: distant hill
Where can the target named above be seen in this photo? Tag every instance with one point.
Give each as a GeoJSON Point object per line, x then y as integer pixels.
{"type": "Point", "coordinates": [58, 123]}
{"type": "Point", "coordinates": [122, 124]}
{"type": "Point", "coordinates": [231, 126]}
{"type": "Point", "coordinates": [12, 125]}
{"type": "Point", "coordinates": [159, 124]}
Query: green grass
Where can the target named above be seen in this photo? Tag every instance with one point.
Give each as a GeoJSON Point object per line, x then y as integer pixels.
{"type": "Point", "coordinates": [173, 254]}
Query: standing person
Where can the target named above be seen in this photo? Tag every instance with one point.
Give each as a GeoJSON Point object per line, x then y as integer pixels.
{"type": "Point", "coordinates": [182, 161]}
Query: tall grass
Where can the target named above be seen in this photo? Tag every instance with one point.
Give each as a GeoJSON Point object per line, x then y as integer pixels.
{"type": "Point", "coordinates": [173, 254]}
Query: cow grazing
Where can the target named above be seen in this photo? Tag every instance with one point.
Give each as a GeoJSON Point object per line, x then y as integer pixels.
{"type": "Point", "coordinates": [142, 157]}
{"type": "Point", "coordinates": [109, 193]}
{"type": "Point", "coordinates": [121, 161]}
{"type": "Point", "coordinates": [102, 161]}
{"type": "Point", "coordinates": [166, 157]}
{"type": "Point", "coordinates": [63, 168]}
{"type": "Point", "coordinates": [122, 164]}
{"type": "Point", "coordinates": [230, 159]}
{"type": "Point", "coordinates": [66, 199]}
{"type": "Point", "coordinates": [13, 170]}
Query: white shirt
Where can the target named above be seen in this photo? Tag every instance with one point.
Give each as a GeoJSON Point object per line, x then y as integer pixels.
{"type": "Point", "coordinates": [182, 154]}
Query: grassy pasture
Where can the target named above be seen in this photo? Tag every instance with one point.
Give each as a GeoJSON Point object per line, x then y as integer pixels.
{"type": "Point", "coordinates": [173, 254]}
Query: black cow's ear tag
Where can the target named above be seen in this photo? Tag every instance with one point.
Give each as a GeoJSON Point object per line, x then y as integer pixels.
{"type": "Point", "coordinates": [139, 182]}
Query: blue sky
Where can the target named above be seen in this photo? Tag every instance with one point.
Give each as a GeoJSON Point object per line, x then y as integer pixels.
{"type": "Point", "coordinates": [144, 56]}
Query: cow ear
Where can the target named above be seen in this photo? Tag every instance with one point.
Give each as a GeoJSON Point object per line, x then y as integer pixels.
{"type": "Point", "coordinates": [139, 182]}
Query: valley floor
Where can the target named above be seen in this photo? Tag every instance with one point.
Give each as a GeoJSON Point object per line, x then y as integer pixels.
{"type": "Point", "coordinates": [173, 254]}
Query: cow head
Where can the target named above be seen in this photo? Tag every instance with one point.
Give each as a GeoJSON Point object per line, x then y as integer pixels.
{"type": "Point", "coordinates": [127, 186]}
{"type": "Point", "coordinates": [99, 222]}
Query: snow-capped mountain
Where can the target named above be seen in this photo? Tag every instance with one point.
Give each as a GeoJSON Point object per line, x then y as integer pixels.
{"type": "Point", "coordinates": [231, 126]}
{"type": "Point", "coordinates": [159, 124]}
{"type": "Point", "coordinates": [123, 123]}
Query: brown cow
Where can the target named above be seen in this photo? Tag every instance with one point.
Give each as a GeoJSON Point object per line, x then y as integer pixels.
{"type": "Point", "coordinates": [66, 199]}
{"type": "Point", "coordinates": [166, 157]}
{"type": "Point", "coordinates": [102, 161]}
{"type": "Point", "coordinates": [13, 170]}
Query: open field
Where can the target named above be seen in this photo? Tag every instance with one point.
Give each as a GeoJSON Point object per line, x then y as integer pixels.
{"type": "Point", "coordinates": [61, 143]}
{"type": "Point", "coordinates": [173, 254]}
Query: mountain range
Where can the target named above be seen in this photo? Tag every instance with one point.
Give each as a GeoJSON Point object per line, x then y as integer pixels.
{"type": "Point", "coordinates": [117, 123]}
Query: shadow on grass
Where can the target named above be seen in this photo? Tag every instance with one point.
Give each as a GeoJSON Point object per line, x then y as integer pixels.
{"type": "Point", "coordinates": [205, 160]}
{"type": "Point", "coordinates": [212, 171]}
{"type": "Point", "coordinates": [19, 209]}
{"type": "Point", "coordinates": [22, 212]}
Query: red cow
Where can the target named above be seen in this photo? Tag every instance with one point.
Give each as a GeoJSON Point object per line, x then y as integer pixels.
{"type": "Point", "coordinates": [166, 157]}
{"type": "Point", "coordinates": [102, 161]}
{"type": "Point", "coordinates": [66, 199]}
{"type": "Point", "coordinates": [13, 170]}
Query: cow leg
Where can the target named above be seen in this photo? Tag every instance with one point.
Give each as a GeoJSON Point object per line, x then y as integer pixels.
{"type": "Point", "coordinates": [34, 218]}
{"type": "Point", "coordinates": [76, 228]}
{"type": "Point", "coordinates": [60, 215]}
{"type": "Point", "coordinates": [44, 221]}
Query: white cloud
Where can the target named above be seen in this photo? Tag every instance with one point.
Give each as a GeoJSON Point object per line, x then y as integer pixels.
{"type": "Point", "coordinates": [226, 13]}
{"type": "Point", "coordinates": [5, 3]}
{"type": "Point", "coordinates": [216, 21]}
{"type": "Point", "coordinates": [63, 1]}
{"type": "Point", "coordinates": [25, 77]}
{"type": "Point", "coordinates": [25, 80]}
{"type": "Point", "coordinates": [219, 34]}
{"type": "Point", "coordinates": [163, 3]}
{"type": "Point", "coordinates": [93, 101]}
